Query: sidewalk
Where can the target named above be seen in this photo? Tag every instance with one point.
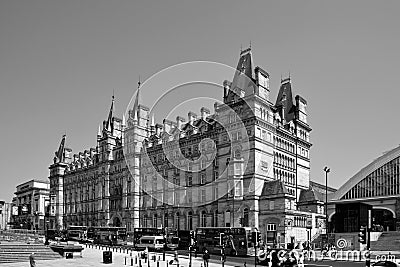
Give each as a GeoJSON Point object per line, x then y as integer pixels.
{"type": "Point", "coordinates": [94, 257]}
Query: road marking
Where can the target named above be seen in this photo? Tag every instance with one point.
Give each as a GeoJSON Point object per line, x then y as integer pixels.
{"type": "Point", "coordinates": [310, 264]}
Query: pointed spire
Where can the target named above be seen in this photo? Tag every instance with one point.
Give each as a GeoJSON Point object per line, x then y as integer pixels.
{"type": "Point", "coordinates": [60, 152]}
{"type": "Point", "coordinates": [135, 116]}
{"type": "Point", "coordinates": [109, 124]}
{"type": "Point", "coordinates": [99, 131]}
{"type": "Point", "coordinates": [152, 124]}
{"type": "Point", "coordinates": [123, 120]}
{"type": "Point", "coordinates": [136, 104]}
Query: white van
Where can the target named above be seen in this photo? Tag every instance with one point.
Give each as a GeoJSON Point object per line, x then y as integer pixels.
{"type": "Point", "coordinates": [151, 242]}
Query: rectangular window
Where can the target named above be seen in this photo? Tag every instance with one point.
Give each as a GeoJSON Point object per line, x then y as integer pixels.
{"type": "Point", "coordinates": [203, 195]}
{"type": "Point", "coordinates": [216, 192]}
{"type": "Point", "coordinates": [264, 135]}
{"type": "Point", "coordinates": [202, 164]}
{"type": "Point", "coordinates": [272, 205]}
{"type": "Point", "coordinates": [271, 227]}
{"type": "Point", "coordinates": [202, 178]}
{"type": "Point", "coordinates": [238, 189]}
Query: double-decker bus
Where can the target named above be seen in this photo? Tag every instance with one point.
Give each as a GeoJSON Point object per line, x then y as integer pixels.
{"type": "Point", "coordinates": [184, 239]}
{"type": "Point", "coordinates": [76, 233]}
{"type": "Point", "coordinates": [143, 231]}
{"type": "Point", "coordinates": [114, 236]}
{"type": "Point", "coordinates": [237, 240]}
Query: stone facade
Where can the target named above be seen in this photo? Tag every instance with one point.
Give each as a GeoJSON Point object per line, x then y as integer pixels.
{"type": "Point", "coordinates": [31, 200]}
{"type": "Point", "coordinates": [5, 215]}
{"type": "Point", "coordinates": [165, 175]}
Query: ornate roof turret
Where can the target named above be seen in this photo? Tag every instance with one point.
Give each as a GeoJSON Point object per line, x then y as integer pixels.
{"type": "Point", "coordinates": [243, 80]}
{"type": "Point", "coordinates": [284, 101]}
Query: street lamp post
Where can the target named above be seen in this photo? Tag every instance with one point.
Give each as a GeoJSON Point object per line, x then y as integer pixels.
{"type": "Point", "coordinates": [326, 170]}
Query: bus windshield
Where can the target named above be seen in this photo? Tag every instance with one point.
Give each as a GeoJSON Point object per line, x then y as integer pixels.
{"type": "Point", "coordinates": [235, 239]}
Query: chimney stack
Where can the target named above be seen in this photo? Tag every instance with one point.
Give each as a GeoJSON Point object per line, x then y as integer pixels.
{"type": "Point", "coordinates": [205, 112]}
{"type": "Point", "coordinates": [179, 122]}
{"type": "Point", "coordinates": [158, 129]}
{"type": "Point", "coordinates": [167, 125]}
{"type": "Point", "coordinates": [192, 117]}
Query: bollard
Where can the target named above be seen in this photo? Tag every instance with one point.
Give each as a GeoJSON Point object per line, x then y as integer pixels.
{"type": "Point", "coordinates": [158, 263]}
{"type": "Point", "coordinates": [135, 260]}
{"type": "Point", "coordinates": [125, 261]}
{"type": "Point", "coordinates": [131, 261]}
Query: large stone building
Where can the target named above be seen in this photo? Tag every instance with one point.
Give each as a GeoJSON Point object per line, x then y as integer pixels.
{"type": "Point", "coordinates": [31, 201]}
{"type": "Point", "coordinates": [249, 170]}
{"type": "Point", "coordinates": [5, 215]}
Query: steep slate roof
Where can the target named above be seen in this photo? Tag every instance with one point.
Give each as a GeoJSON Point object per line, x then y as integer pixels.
{"type": "Point", "coordinates": [273, 188]}
{"type": "Point", "coordinates": [311, 195]}
{"type": "Point", "coordinates": [285, 99]}
{"type": "Point", "coordinates": [244, 76]}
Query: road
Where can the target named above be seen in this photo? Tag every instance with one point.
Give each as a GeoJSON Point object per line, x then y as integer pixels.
{"type": "Point", "coordinates": [240, 261]}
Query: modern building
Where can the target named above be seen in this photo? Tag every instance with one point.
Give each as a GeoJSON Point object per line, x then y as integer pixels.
{"type": "Point", "coordinates": [251, 172]}
{"type": "Point", "coordinates": [5, 215]}
{"type": "Point", "coordinates": [31, 200]}
{"type": "Point", "coordinates": [375, 187]}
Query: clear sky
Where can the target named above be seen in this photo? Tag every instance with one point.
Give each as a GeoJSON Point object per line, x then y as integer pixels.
{"type": "Point", "coordinates": [61, 60]}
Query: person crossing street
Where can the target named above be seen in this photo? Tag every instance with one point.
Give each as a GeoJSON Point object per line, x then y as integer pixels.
{"type": "Point", "coordinates": [206, 257]}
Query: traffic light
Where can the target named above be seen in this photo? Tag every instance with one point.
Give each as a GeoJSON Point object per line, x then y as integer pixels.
{"type": "Point", "coordinates": [256, 237]}
{"type": "Point", "coordinates": [192, 238]}
{"type": "Point", "coordinates": [221, 239]}
{"type": "Point", "coordinates": [362, 235]}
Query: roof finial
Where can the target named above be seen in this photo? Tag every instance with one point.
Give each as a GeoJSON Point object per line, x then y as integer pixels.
{"type": "Point", "coordinates": [289, 75]}
{"type": "Point", "coordinates": [139, 83]}
{"type": "Point", "coordinates": [241, 48]}
{"type": "Point", "coordinates": [250, 44]}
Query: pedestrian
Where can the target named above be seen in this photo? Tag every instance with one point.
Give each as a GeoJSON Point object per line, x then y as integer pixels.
{"type": "Point", "coordinates": [275, 261]}
{"type": "Point", "coordinates": [32, 260]}
{"type": "Point", "coordinates": [206, 257]}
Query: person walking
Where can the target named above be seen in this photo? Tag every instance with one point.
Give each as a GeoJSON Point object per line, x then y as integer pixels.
{"type": "Point", "coordinates": [206, 257]}
{"type": "Point", "coordinates": [32, 260]}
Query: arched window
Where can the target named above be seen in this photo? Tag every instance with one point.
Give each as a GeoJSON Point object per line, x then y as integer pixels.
{"type": "Point", "coordinates": [177, 221]}
{"type": "Point", "coordinates": [190, 220]}
{"type": "Point", "coordinates": [215, 219]}
{"type": "Point", "coordinates": [203, 219]}
{"type": "Point", "coordinates": [144, 221]}
{"type": "Point", "coordinates": [246, 217]}
{"type": "Point", "coordinates": [228, 218]}
{"type": "Point", "coordinates": [165, 220]}
{"type": "Point", "coordinates": [155, 220]}
{"type": "Point", "coordinates": [237, 154]}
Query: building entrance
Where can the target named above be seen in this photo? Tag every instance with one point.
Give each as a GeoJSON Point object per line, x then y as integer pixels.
{"type": "Point", "coordinates": [382, 220]}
